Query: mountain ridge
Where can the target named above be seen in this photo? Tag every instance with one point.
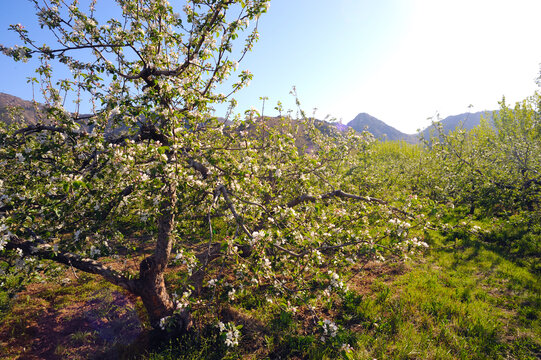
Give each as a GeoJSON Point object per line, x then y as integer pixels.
{"type": "Point", "coordinates": [362, 122]}
{"type": "Point", "coordinates": [26, 109]}
{"type": "Point", "coordinates": [378, 128]}
{"type": "Point", "coordinates": [383, 131]}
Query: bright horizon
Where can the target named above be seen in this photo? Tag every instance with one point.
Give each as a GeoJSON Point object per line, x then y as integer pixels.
{"type": "Point", "coordinates": [401, 61]}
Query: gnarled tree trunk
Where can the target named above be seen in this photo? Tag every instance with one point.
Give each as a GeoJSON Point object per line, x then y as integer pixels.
{"type": "Point", "coordinates": [151, 283]}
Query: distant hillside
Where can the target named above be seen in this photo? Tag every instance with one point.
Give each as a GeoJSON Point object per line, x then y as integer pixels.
{"type": "Point", "coordinates": [26, 111]}
{"type": "Point", "coordinates": [382, 131]}
{"type": "Point", "coordinates": [298, 128]}
{"type": "Point", "coordinates": [379, 129]}
{"type": "Point", "coordinates": [466, 120]}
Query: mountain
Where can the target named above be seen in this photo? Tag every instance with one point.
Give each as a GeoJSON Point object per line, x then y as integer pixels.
{"type": "Point", "coordinates": [466, 120]}
{"type": "Point", "coordinates": [379, 129]}
{"type": "Point", "coordinates": [25, 110]}
{"type": "Point", "coordinates": [382, 131]}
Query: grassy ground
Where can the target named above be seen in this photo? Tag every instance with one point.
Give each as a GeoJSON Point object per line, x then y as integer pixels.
{"type": "Point", "coordinates": [458, 304]}
{"type": "Point", "coordinates": [459, 301]}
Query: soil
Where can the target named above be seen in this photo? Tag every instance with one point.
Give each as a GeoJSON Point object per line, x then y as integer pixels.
{"type": "Point", "coordinates": [93, 328]}
{"type": "Point", "coordinates": [49, 323]}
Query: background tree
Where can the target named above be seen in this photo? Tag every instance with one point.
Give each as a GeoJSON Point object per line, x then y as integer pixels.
{"type": "Point", "coordinates": [495, 166]}
{"type": "Point", "coordinates": [493, 171]}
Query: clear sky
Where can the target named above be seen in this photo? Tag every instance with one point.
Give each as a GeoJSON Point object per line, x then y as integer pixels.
{"type": "Point", "coordinates": [401, 61]}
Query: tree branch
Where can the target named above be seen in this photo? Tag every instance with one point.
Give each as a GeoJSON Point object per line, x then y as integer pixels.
{"type": "Point", "coordinates": [45, 251]}
{"type": "Point", "coordinates": [40, 127]}
{"type": "Point", "coordinates": [80, 47]}
{"type": "Point", "coordinates": [341, 194]}
{"type": "Point", "coordinates": [238, 218]}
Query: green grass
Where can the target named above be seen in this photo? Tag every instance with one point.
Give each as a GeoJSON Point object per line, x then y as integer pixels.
{"type": "Point", "coordinates": [465, 304]}
{"type": "Point", "coordinates": [462, 301]}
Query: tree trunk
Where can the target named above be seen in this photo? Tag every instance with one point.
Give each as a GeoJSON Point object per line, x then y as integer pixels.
{"type": "Point", "coordinates": [154, 295]}
{"type": "Point", "coordinates": [151, 284]}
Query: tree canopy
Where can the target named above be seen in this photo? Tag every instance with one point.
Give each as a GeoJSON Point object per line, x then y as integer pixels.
{"type": "Point", "coordinates": [150, 181]}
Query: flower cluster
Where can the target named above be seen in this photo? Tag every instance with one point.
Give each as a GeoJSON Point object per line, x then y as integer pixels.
{"type": "Point", "coordinates": [401, 226]}
{"type": "Point", "coordinates": [418, 243]}
{"type": "Point", "coordinates": [186, 259]}
{"type": "Point", "coordinates": [330, 329]}
{"type": "Point", "coordinates": [335, 280]}
{"type": "Point", "coordinates": [231, 332]}
{"type": "Point", "coordinates": [182, 301]}
{"type": "Point", "coordinates": [16, 52]}
{"type": "Point", "coordinates": [94, 252]}
{"type": "Point", "coordinates": [164, 322]}
{"type": "Point", "coordinates": [346, 348]}
{"type": "Point", "coordinates": [411, 245]}
{"type": "Point", "coordinates": [5, 235]}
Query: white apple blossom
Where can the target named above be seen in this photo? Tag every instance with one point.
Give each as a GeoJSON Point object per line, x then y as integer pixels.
{"type": "Point", "coordinates": [231, 294]}
{"type": "Point", "coordinates": [164, 322]}
{"type": "Point", "coordinates": [94, 251]}
{"type": "Point", "coordinates": [232, 334]}
{"type": "Point", "coordinates": [330, 329]}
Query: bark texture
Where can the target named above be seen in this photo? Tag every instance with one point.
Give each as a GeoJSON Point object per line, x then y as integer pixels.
{"type": "Point", "coordinates": [151, 283]}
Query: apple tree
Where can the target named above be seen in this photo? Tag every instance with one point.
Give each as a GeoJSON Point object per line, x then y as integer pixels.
{"type": "Point", "coordinates": [148, 180]}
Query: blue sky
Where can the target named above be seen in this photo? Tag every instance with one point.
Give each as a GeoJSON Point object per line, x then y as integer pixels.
{"type": "Point", "coordinates": [399, 60]}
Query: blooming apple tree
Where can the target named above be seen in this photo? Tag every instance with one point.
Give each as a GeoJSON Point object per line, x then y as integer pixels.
{"type": "Point", "coordinates": [148, 180]}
